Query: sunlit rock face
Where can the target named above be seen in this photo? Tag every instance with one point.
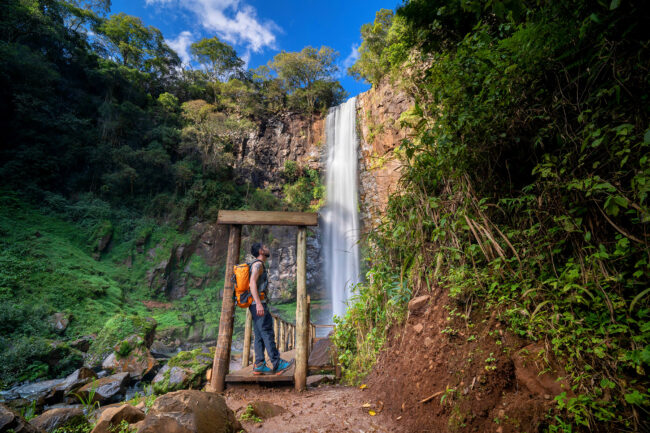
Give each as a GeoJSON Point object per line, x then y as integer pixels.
{"type": "Point", "coordinates": [380, 133]}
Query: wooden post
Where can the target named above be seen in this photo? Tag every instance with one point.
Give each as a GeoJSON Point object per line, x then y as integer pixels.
{"type": "Point", "coordinates": [248, 328]}
{"type": "Point", "coordinates": [283, 337]}
{"type": "Point", "coordinates": [309, 337]}
{"type": "Point", "coordinates": [302, 313]}
{"type": "Point", "coordinates": [275, 331]}
{"type": "Point", "coordinates": [222, 353]}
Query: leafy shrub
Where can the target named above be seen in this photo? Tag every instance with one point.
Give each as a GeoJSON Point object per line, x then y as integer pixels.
{"type": "Point", "coordinates": [519, 198]}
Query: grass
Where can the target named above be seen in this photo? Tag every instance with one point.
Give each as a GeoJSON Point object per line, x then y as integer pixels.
{"type": "Point", "coordinates": [47, 266]}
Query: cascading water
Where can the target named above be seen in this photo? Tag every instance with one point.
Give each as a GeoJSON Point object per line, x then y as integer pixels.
{"type": "Point", "coordinates": [341, 217]}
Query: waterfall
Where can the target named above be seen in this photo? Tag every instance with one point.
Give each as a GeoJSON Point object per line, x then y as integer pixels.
{"type": "Point", "coordinates": [341, 216]}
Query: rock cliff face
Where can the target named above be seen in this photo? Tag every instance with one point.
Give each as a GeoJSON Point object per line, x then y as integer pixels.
{"type": "Point", "coordinates": [260, 158]}
{"type": "Point", "coordinates": [380, 133]}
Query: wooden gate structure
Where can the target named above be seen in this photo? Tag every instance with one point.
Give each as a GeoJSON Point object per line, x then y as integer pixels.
{"type": "Point", "coordinates": [235, 219]}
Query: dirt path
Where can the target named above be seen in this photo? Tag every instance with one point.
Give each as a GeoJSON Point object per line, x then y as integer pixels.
{"type": "Point", "coordinates": [329, 408]}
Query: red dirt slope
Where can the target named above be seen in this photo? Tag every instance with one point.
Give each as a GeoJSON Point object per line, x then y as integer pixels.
{"type": "Point", "coordinates": [439, 372]}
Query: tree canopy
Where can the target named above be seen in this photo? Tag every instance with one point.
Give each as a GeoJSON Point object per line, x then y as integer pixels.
{"type": "Point", "coordinates": [308, 76]}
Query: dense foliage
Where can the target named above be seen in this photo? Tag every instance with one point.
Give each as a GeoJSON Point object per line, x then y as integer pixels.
{"type": "Point", "coordinates": [525, 186]}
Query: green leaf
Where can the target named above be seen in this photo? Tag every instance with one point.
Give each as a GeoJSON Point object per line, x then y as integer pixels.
{"type": "Point", "coordinates": [614, 4]}
{"type": "Point", "coordinates": [646, 137]}
{"type": "Point", "coordinates": [635, 397]}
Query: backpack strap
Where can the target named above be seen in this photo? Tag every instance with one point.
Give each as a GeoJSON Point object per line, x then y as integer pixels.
{"type": "Point", "coordinates": [250, 265]}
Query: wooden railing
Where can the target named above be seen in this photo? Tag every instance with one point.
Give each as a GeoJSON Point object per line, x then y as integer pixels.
{"type": "Point", "coordinates": [285, 334]}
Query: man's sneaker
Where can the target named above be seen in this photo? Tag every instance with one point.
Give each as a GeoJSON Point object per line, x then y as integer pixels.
{"type": "Point", "coordinates": [262, 369]}
{"type": "Point", "coordinates": [282, 366]}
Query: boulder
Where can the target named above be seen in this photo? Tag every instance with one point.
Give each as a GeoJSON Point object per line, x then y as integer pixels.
{"type": "Point", "coordinates": [107, 389]}
{"type": "Point", "coordinates": [139, 363]}
{"type": "Point", "coordinates": [81, 344]}
{"type": "Point", "coordinates": [60, 417]}
{"type": "Point", "coordinates": [416, 304]}
{"type": "Point", "coordinates": [10, 421]}
{"type": "Point", "coordinates": [113, 416]}
{"type": "Point", "coordinates": [539, 372]}
{"type": "Point", "coordinates": [185, 370]}
{"type": "Point", "coordinates": [321, 354]}
{"type": "Point", "coordinates": [70, 384]}
{"type": "Point", "coordinates": [37, 391]}
{"type": "Point", "coordinates": [59, 322]}
{"type": "Point", "coordinates": [116, 330]}
{"type": "Point", "coordinates": [318, 379]}
{"type": "Point", "coordinates": [190, 411]}
{"type": "Point", "coordinates": [266, 410]}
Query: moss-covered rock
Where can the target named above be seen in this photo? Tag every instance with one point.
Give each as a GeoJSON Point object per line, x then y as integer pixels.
{"type": "Point", "coordinates": [185, 370]}
{"type": "Point", "coordinates": [114, 333]}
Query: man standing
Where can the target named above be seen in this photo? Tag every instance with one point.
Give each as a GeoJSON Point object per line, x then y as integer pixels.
{"type": "Point", "coordinates": [262, 320]}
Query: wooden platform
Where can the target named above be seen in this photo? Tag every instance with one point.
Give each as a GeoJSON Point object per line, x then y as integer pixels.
{"type": "Point", "coordinates": [245, 375]}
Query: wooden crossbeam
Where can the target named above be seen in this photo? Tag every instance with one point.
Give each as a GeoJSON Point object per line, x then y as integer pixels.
{"type": "Point", "coordinates": [267, 218]}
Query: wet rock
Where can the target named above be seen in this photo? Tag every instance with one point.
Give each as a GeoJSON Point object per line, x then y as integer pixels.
{"type": "Point", "coordinates": [163, 349]}
{"type": "Point", "coordinates": [113, 416]}
{"type": "Point", "coordinates": [266, 410]}
{"type": "Point", "coordinates": [416, 304]}
{"type": "Point", "coordinates": [34, 391]}
{"type": "Point", "coordinates": [107, 389]}
{"type": "Point", "coordinates": [60, 417]}
{"type": "Point", "coordinates": [11, 421]}
{"type": "Point", "coordinates": [59, 322]}
{"type": "Point", "coordinates": [70, 384]}
{"type": "Point", "coordinates": [190, 411]}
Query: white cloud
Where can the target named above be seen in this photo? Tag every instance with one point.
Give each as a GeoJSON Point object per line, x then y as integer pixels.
{"type": "Point", "coordinates": [232, 20]}
{"type": "Point", "coordinates": [181, 45]}
{"type": "Point", "coordinates": [349, 60]}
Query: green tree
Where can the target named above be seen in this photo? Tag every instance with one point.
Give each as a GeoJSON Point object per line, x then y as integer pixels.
{"type": "Point", "coordinates": [308, 76]}
{"type": "Point", "coordinates": [302, 71]}
{"type": "Point", "coordinates": [219, 60]}
{"type": "Point", "coordinates": [137, 46]}
{"type": "Point", "coordinates": [369, 65]}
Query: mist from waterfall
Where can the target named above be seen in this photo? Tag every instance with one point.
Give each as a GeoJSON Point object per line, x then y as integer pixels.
{"type": "Point", "coordinates": [341, 216]}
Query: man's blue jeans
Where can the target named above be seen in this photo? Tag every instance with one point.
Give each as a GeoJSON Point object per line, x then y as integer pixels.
{"type": "Point", "coordinates": [264, 337]}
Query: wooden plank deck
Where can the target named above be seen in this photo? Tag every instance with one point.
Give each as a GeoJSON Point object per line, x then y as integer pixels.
{"type": "Point", "coordinates": [245, 375]}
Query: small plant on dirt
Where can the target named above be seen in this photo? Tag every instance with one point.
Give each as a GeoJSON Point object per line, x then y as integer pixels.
{"type": "Point", "coordinates": [449, 331]}
{"type": "Point", "coordinates": [448, 395]}
{"type": "Point", "coordinates": [490, 362]}
{"type": "Point", "coordinates": [249, 415]}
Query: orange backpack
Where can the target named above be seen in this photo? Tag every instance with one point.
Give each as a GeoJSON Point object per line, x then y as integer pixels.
{"type": "Point", "coordinates": [241, 278]}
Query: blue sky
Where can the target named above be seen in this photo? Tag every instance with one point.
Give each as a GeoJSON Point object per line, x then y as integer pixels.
{"type": "Point", "coordinates": [260, 29]}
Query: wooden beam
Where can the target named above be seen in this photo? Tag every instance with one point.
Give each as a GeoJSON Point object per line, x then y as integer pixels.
{"type": "Point", "coordinates": [248, 328]}
{"type": "Point", "coordinates": [267, 218]}
{"type": "Point", "coordinates": [302, 323]}
{"type": "Point", "coordinates": [222, 353]}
